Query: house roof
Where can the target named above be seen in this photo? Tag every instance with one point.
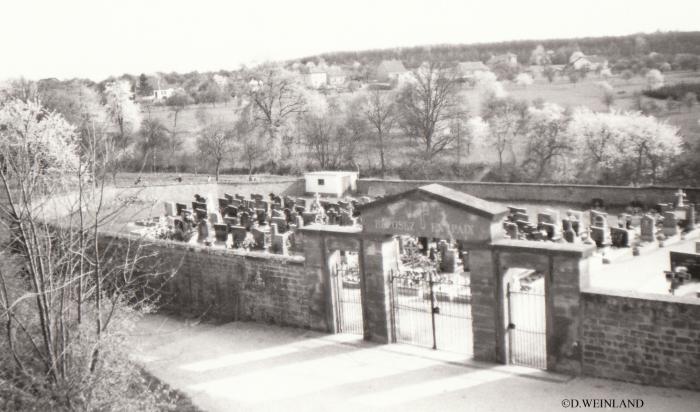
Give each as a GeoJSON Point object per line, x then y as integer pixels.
{"type": "Point", "coordinates": [471, 66]}
{"type": "Point", "coordinates": [335, 71]}
{"type": "Point", "coordinates": [392, 66]}
{"type": "Point", "coordinates": [461, 200]}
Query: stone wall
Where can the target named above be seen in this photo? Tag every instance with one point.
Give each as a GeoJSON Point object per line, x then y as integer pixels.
{"type": "Point", "coordinates": [537, 192]}
{"type": "Point", "coordinates": [233, 285]}
{"type": "Point", "coordinates": [647, 339]}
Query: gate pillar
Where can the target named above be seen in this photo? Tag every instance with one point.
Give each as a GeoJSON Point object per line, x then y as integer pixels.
{"type": "Point", "coordinates": [378, 257]}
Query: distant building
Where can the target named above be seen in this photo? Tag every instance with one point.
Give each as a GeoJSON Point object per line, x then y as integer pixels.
{"type": "Point", "coordinates": [579, 61]}
{"type": "Point", "coordinates": [391, 70]}
{"type": "Point", "coordinates": [336, 76]}
{"type": "Point", "coordinates": [314, 78]}
{"type": "Point", "coordinates": [330, 183]}
{"type": "Point", "coordinates": [509, 59]}
{"type": "Point", "coordinates": [468, 71]}
{"type": "Point", "coordinates": [162, 94]}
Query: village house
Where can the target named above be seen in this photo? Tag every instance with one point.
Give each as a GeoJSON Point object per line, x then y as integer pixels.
{"type": "Point", "coordinates": [336, 76]}
{"type": "Point", "coordinates": [391, 70]}
{"type": "Point", "coordinates": [162, 94]}
{"type": "Point", "coordinates": [579, 61]}
{"type": "Point", "coordinates": [509, 59]}
{"type": "Point", "coordinates": [468, 71]}
{"type": "Point", "coordinates": [314, 77]}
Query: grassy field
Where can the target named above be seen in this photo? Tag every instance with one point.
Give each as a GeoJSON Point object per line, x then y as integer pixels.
{"type": "Point", "coordinates": [587, 92]}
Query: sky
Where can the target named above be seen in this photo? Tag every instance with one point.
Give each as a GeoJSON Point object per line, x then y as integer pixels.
{"type": "Point", "coordinates": [99, 38]}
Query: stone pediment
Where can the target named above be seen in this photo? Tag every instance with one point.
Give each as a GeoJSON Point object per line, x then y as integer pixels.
{"type": "Point", "coordinates": [435, 211]}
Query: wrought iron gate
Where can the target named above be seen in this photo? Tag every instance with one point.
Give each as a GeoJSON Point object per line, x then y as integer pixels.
{"type": "Point", "coordinates": [348, 311]}
{"type": "Point", "coordinates": [432, 310]}
{"type": "Point", "coordinates": [527, 332]}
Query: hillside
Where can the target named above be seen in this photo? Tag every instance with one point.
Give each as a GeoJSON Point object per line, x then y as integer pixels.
{"type": "Point", "coordinates": [613, 47]}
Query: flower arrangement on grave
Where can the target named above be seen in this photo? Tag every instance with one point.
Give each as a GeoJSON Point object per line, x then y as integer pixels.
{"type": "Point", "coordinates": [248, 242]}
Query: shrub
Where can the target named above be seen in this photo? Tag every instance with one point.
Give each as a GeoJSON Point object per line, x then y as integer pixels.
{"type": "Point", "coordinates": [676, 91]}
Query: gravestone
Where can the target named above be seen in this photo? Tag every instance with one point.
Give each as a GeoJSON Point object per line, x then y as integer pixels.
{"type": "Point", "coordinates": [513, 210]}
{"type": "Point", "coordinates": [521, 216]}
{"type": "Point", "coordinates": [548, 216]}
{"type": "Point", "coordinates": [281, 224]}
{"type": "Point", "coordinates": [170, 209]}
{"type": "Point", "coordinates": [598, 218]}
{"type": "Point", "coordinates": [180, 208]}
{"type": "Point", "coordinates": [221, 232]}
{"type": "Point", "coordinates": [214, 218]}
{"type": "Point", "coordinates": [300, 202]}
{"type": "Point", "coordinates": [299, 221]}
{"type": "Point", "coordinates": [600, 236]}
{"type": "Point", "coordinates": [690, 217]}
{"type": "Point", "coordinates": [261, 216]}
{"type": "Point", "coordinates": [332, 217]}
{"type": "Point", "coordinates": [569, 235]}
{"type": "Point", "coordinates": [238, 197]}
{"type": "Point", "coordinates": [199, 205]}
{"type": "Point", "coordinates": [511, 230]}
{"type": "Point", "coordinates": [223, 203]}
{"type": "Point", "coordinates": [576, 218]}
{"type": "Point", "coordinates": [256, 196]}
{"type": "Point", "coordinates": [691, 261]}
{"type": "Point", "coordinates": [288, 202]}
{"type": "Point", "coordinates": [232, 221]}
{"type": "Point", "coordinates": [202, 231]}
{"type": "Point", "coordinates": [648, 228]}
{"type": "Point", "coordinates": [199, 199]}
{"type": "Point", "coordinates": [449, 263]}
{"type": "Point", "coordinates": [259, 237]}
{"type": "Point", "coordinates": [237, 203]}
{"type": "Point", "coordinates": [238, 234]}
{"type": "Point", "coordinates": [680, 199]}
{"type": "Point", "coordinates": [229, 197]}
{"type": "Point", "coordinates": [308, 217]}
{"type": "Point", "coordinates": [662, 208]}
{"type": "Point", "coordinates": [620, 237]}
{"type": "Point", "coordinates": [245, 220]}
{"type": "Point", "coordinates": [346, 219]}
{"type": "Point", "coordinates": [231, 211]}
{"type": "Point", "coordinates": [280, 243]}
{"type": "Point", "coordinates": [200, 214]}
{"type": "Point", "coordinates": [550, 229]}
{"type": "Point", "coordinates": [670, 227]}
{"type": "Point", "coordinates": [278, 213]}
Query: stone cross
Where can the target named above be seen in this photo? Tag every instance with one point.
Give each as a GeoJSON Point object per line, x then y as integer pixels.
{"type": "Point", "coordinates": [680, 197]}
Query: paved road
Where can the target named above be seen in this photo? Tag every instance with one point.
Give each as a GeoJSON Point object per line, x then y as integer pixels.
{"type": "Point", "coordinates": [251, 367]}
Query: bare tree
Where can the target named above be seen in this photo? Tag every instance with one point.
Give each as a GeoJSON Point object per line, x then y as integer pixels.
{"type": "Point", "coordinates": [380, 112]}
{"type": "Point", "coordinates": [507, 120]}
{"type": "Point", "coordinates": [277, 98]}
{"type": "Point", "coordinates": [215, 140]}
{"type": "Point", "coordinates": [428, 104]}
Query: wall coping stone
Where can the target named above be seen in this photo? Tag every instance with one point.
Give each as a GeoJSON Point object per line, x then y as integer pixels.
{"type": "Point", "coordinates": [629, 294]}
{"type": "Point", "coordinates": [549, 248]}
{"type": "Point", "coordinates": [172, 244]}
{"type": "Point", "coordinates": [516, 184]}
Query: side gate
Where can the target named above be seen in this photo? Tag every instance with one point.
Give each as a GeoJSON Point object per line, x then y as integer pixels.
{"type": "Point", "coordinates": [346, 290]}
{"type": "Point", "coordinates": [527, 332]}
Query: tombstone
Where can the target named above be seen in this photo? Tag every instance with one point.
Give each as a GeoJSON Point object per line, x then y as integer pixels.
{"type": "Point", "coordinates": [550, 229]}
{"type": "Point", "coordinates": [199, 199]}
{"type": "Point", "coordinates": [223, 203]}
{"type": "Point", "coordinates": [569, 234]}
{"type": "Point", "coordinates": [281, 224]}
{"type": "Point", "coordinates": [288, 202]}
{"type": "Point", "coordinates": [521, 216]}
{"type": "Point", "coordinates": [276, 206]}
{"type": "Point", "coordinates": [202, 231]}
{"type": "Point", "coordinates": [346, 219]}
{"type": "Point", "coordinates": [546, 217]}
{"type": "Point", "coordinates": [238, 197]}
{"type": "Point", "coordinates": [600, 236]}
{"type": "Point", "coordinates": [180, 208]}
{"type": "Point", "coordinates": [201, 214]}
{"type": "Point", "coordinates": [278, 213]}
{"type": "Point", "coordinates": [261, 215]}
{"type": "Point", "coordinates": [238, 234]}
{"type": "Point", "coordinates": [513, 210]}
{"type": "Point", "coordinates": [169, 209]}
{"type": "Point", "coordinates": [511, 230]}
{"type": "Point", "coordinates": [214, 218]}
{"type": "Point", "coordinates": [259, 237]}
{"type": "Point", "coordinates": [624, 221]}
{"type": "Point", "coordinates": [199, 205]}
{"type": "Point", "coordinates": [309, 217]}
{"type": "Point", "coordinates": [280, 241]}
{"type": "Point", "coordinates": [670, 227]}
{"type": "Point", "coordinates": [662, 208]}
{"type": "Point", "coordinates": [232, 221]}
{"type": "Point", "coordinates": [597, 203]}
{"type": "Point", "coordinates": [236, 203]}
{"type": "Point", "coordinates": [689, 217]}
{"type": "Point", "coordinates": [620, 237]}
{"type": "Point", "coordinates": [221, 232]}
{"type": "Point", "coordinates": [343, 205]}
{"type": "Point", "coordinates": [256, 196]}
{"type": "Point", "coordinates": [245, 220]}
{"type": "Point", "coordinates": [299, 221]}
{"type": "Point", "coordinates": [599, 219]}
{"type": "Point", "coordinates": [332, 217]}
{"type": "Point", "coordinates": [449, 263]}
{"type": "Point", "coordinates": [648, 228]}
{"type": "Point", "coordinates": [261, 204]}
{"type": "Point", "coordinates": [229, 197]}
{"type": "Point", "coordinates": [299, 209]}
{"type": "Point", "coordinates": [231, 211]}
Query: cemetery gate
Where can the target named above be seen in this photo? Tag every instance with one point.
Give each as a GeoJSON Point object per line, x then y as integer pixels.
{"type": "Point", "coordinates": [527, 333]}
{"type": "Point", "coordinates": [348, 310]}
{"type": "Point", "coordinates": [430, 310]}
